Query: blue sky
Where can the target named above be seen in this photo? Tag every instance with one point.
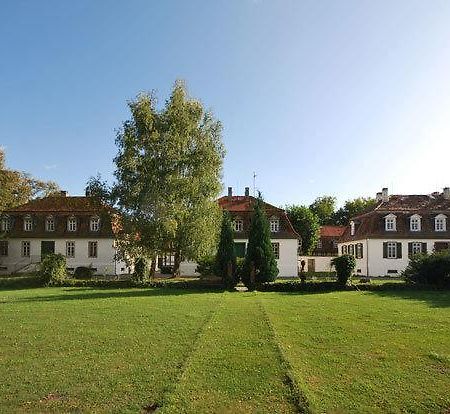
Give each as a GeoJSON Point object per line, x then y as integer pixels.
{"type": "Point", "coordinates": [317, 97]}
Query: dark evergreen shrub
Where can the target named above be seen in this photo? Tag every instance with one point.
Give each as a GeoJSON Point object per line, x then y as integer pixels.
{"type": "Point", "coordinates": [432, 269]}
{"type": "Point", "coordinates": [140, 269]}
{"type": "Point", "coordinates": [52, 269]}
{"type": "Point", "coordinates": [166, 270]}
{"type": "Point", "coordinates": [345, 267]}
{"type": "Point", "coordinates": [83, 272]}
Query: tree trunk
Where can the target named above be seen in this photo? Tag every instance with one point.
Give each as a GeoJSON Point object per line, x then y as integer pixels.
{"type": "Point", "coordinates": [152, 268]}
{"type": "Point", "coordinates": [176, 264]}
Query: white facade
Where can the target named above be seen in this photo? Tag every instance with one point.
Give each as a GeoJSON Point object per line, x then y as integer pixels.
{"type": "Point", "coordinates": [317, 264]}
{"type": "Point", "coordinates": [287, 261]}
{"type": "Point", "coordinates": [373, 263]}
{"type": "Point", "coordinates": [104, 262]}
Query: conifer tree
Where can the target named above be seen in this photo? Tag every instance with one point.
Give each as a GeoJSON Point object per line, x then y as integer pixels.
{"type": "Point", "coordinates": [260, 265]}
{"type": "Point", "coordinates": [225, 263]}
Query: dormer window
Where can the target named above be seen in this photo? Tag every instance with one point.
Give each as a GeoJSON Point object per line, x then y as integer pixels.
{"type": "Point", "coordinates": [238, 225]}
{"type": "Point", "coordinates": [440, 222]}
{"type": "Point", "coordinates": [72, 224]}
{"type": "Point", "coordinates": [27, 223]}
{"type": "Point", "coordinates": [415, 223]}
{"type": "Point", "coordinates": [390, 222]}
{"type": "Point", "coordinates": [50, 224]}
{"type": "Point", "coordinates": [5, 224]}
{"type": "Point", "coordinates": [274, 224]}
{"type": "Point", "coordinates": [352, 228]}
{"type": "Point", "coordinates": [95, 224]}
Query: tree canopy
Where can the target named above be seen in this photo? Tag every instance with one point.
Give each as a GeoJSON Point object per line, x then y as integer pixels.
{"type": "Point", "coordinates": [168, 172]}
{"type": "Point", "coordinates": [306, 223]}
{"type": "Point", "coordinates": [352, 208]}
{"type": "Point", "coordinates": [324, 208]}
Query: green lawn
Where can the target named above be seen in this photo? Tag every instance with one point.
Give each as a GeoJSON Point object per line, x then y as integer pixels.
{"type": "Point", "coordinates": [121, 350]}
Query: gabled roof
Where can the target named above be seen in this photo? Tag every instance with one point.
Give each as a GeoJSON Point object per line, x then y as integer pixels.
{"type": "Point", "coordinates": [332, 231]}
{"type": "Point", "coordinates": [243, 203]}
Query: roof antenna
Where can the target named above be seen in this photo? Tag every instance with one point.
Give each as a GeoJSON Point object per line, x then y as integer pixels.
{"type": "Point", "coordinates": [254, 184]}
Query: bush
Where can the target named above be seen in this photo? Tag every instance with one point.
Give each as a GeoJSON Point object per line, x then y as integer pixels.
{"type": "Point", "coordinates": [433, 269]}
{"type": "Point", "coordinates": [166, 270]}
{"type": "Point", "coordinates": [205, 266]}
{"type": "Point", "coordinates": [83, 272]}
{"type": "Point", "coordinates": [345, 267]}
{"type": "Point", "coordinates": [52, 269]}
{"type": "Point", "coordinates": [140, 269]}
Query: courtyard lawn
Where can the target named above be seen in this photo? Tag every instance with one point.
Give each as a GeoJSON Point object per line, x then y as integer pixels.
{"type": "Point", "coordinates": [137, 350]}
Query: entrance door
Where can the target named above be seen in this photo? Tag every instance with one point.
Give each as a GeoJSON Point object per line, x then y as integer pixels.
{"type": "Point", "coordinates": [311, 265]}
{"type": "Point", "coordinates": [47, 247]}
{"type": "Point", "coordinates": [239, 249]}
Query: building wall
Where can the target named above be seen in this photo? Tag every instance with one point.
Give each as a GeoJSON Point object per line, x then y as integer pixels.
{"type": "Point", "coordinates": [287, 263]}
{"type": "Point", "coordinates": [104, 262]}
{"type": "Point", "coordinates": [373, 264]}
{"type": "Point", "coordinates": [321, 263]}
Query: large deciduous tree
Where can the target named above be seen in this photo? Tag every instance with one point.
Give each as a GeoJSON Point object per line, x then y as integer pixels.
{"type": "Point", "coordinates": [353, 208]}
{"type": "Point", "coordinates": [168, 173]}
{"type": "Point", "coordinates": [324, 208]}
{"type": "Point", "coordinates": [305, 223]}
{"type": "Point", "coordinates": [17, 187]}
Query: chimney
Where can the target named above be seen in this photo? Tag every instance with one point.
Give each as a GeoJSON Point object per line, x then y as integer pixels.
{"type": "Point", "coordinates": [230, 193]}
{"type": "Point", "coordinates": [385, 195]}
{"type": "Point", "coordinates": [446, 193]}
{"type": "Point", "coordinates": [63, 193]}
{"type": "Point", "coordinates": [247, 191]}
{"type": "Point", "coordinates": [378, 197]}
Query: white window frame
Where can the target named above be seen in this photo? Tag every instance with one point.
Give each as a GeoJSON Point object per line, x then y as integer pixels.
{"type": "Point", "coordinates": [276, 249]}
{"type": "Point", "coordinates": [6, 244]}
{"type": "Point", "coordinates": [390, 222]}
{"type": "Point", "coordinates": [274, 225]}
{"type": "Point", "coordinates": [93, 253]}
{"type": "Point", "coordinates": [238, 225]}
{"type": "Point", "coordinates": [71, 224]}
{"type": "Point", "coordinates": [50, 223]}
{"type": "Point", "coordinates": [319, 244]}
{"type": "Point", "coordinates": [94, 223]}
{"type": "Point", "coordinates": [440, 222]}
{"type": "Point", "coordinates": [70, 249]}
{"type": "Point", "coordinates": [27, 223]}
{"type": "Point", "coordinates": [5, 224]}
{"type": "Point", "coordinates": [391, 250]}
{"type": "Point", "coordinates": [25, 249]}
{"type": "Point", "coordinates": [416, 247]}
{"type": "Point", "coordinates": [415, 223]}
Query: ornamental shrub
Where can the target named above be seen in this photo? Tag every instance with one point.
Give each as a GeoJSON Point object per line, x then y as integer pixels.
{"type": "Point", "coordinates": [345, 267]}
{"type": "Point", "coordinates": [52, 269]}
{"type": "Point", "coordinates": [205, 266]}
{"type": "Point", "coordinates": [432, 269]}
{"type": "Point", "coordinates": [83, 272]}
{"type": "Point", "coordinates": [140, 269]}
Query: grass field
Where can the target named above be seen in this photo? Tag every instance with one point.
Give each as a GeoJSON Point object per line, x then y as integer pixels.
{"type": "Point", "coordinates": [137, 350]}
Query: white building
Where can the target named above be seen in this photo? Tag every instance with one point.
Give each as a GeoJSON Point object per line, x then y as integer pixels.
{"type": "Point", "coordinates": [283, 236]}
{"type": "Point", "coordinates": [77, 227]}
{"type": "Point", "coordinates": [399, 226]}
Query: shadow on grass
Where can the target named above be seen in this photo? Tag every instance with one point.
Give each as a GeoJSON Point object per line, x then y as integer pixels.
{"type": "Point", "coordinates": [434, 298]}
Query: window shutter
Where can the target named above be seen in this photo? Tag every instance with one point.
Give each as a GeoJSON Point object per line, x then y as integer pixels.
{"type": "Point", "coordinates": [385, 250]}
{"type": "Point", "coordinates": [399, 250]}
{"type": "Point", "coordinates": [410, 249]}
{"type": "Point", "coordinates": [424, 248]}
{"type": "Point", "coordinates": [361, 255]}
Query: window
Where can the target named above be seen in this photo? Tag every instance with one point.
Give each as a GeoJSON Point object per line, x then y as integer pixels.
{"type": "Point", "coordinates": [50, 224]}
{"type": "Point", "coordinates": [70, 249]}
{"type": "Point", "coordinates": [274, 225]}
{"type": "Point", "coordinates": [352, 228]}
{"type": "Point", "coordinates": [416, 247]}
{"type": "Point", "coordinates": [95, 224]}
{"type": "Point", "coordinates": [440, 223]}
{"type": "Point", "coordinates": [390, 222]}
{"type": "Point", "coordinates": [276, 250]}
{"type": "Point", "coordinates": [5, 224]}
{"type": "Point", "coordinates": [238, 225]}
{"type": "Point", "coordinates": [351, 249]}
{"type": "Point", "coordinates": [392, 250]}
{"type": "Point", "coordinates": [319, 244]}
{"type": "Point", "coordinates": [344, 249]}
{"type": "Point", "coordinates": [26, 249]}
{"type": "Point", "coordinates": [72, 224]}
{"type": "Point", "coordinates": [92, 249]}
{"type": "Point", "coordinates": [335, 244]}
{"type": "Point", "coordinates": [27, 223]}
{"type": "Point", "coordinates": [3, 247]}
{"type": "Point", "coordinates": [359, 251]}
{"type": "Point", "coordinates": [415, 223]}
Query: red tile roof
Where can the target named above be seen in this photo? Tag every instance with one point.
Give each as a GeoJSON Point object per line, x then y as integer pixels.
{"type": "Point", "coordinates": [332, 231]}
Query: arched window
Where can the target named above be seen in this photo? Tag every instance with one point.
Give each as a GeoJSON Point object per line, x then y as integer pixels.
{"type": "Point", "coordinates": [72, 224]}
{"type": "Point", "coordinates": [50, 223]}
{"type": "Point", "coordinates": [94, 224]}
{"type": "Point", "coordinates": [415, 222]}
{"type": "Point", "coordinates": [440, 222]}
{"type": "Point", "coordinates": [5, 224]}
{"type": "Point", "coordinates": [390, 222]}
{"type": "Point", "coordinates": [27, 223]}
{"type": "Point", "coordinates": [274, 224]}
{"type": "Point", "coordinates": [238, 225]}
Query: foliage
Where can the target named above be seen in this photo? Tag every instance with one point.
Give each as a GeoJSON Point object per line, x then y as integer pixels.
{"type": "Point", "coordinates": [306, 224]}
{"type": "Point", "coordinates": [260, 265]}
{"type": "Point", "coordinates": [324, 207]}
{"type": "Point", "coordinates": [351, 209]}
{"type": "Point", "coordinates": [345, 267]}
{"type": "Point", "coordinates": [166, 270]}
{"type": "Point", "coordinates": [205, 266]}
{"type": "Point", "coordinates": [140, 269]}
{"type": "Point", "coordinates": [432, 269]}
{"type": "Point", "coordinates": [83, 272]}
{"type": "Point", "coordinates": [225, 261]}
{"type": "Point", "coordinates": [98, 188]}
{"type": "Point", "coordinates": [168, 172]}
{"type": "Point", "coordinates": [17, 187]}
{"type": "Point", "coordinates": [52, 269]}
